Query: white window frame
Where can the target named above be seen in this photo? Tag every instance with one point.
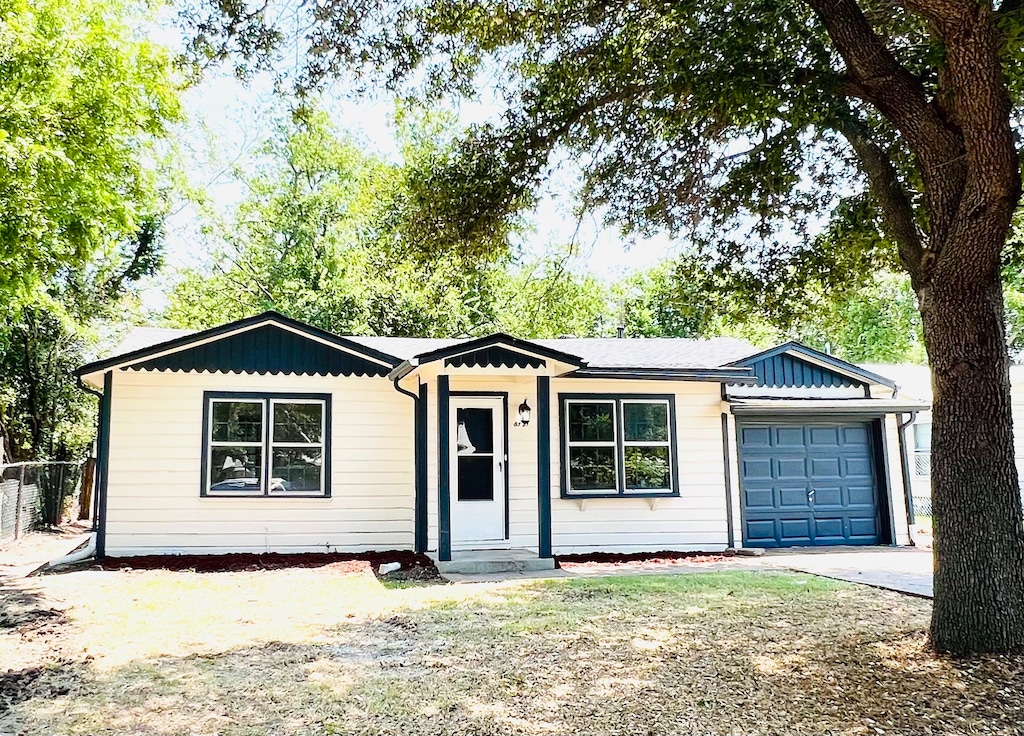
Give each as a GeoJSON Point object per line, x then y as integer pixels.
{"type": "Point", "coordinates": [211, 444]}
{"type": "Point", "coordinates": [667, 443]}
{"type": "Point", "coordinates": [613, 443]}
{"type": "Point", "coordinates": [322, 445]}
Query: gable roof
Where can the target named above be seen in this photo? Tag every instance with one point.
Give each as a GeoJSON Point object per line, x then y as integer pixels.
{"type": "Point", "coordinates": [266, 343]}
{"type": "Point", "coordinates": [150, 347]}
{"type": "Point", "coordinates": [795, 364]}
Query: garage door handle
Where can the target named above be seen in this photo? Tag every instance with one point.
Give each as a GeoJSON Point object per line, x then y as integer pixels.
{"type": "Point", "coordinates": [810, 496]}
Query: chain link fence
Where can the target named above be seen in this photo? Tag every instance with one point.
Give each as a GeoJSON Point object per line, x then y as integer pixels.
{"type": "Point", "coordinates": [35, 495]}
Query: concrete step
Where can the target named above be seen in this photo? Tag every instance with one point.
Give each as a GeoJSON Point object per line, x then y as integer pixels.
{"type": "Point", "coordinates": [491, 561]}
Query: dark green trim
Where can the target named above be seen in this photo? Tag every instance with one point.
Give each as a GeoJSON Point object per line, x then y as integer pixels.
{"type": "Point", "coordinates": [495, 356]}
{"type": "Point", "coordinates": [240, 325]}
{"type": "Point", "coordinates": [544, 466]}
{"type": "Point", "coordinates": [266, 398]}
{"type": "Point", "coordinates": [103, 465]}
{"type": "Point", "coordinates": [498, 338]}
{"type": "Point", "coordinates": [728, 479]}
{"type": "Point", "coordinates": [793, 347]}
{"type": "Point", "coordinates": [444, 522]}
{"type": "Point", "coordinates": [421, 470]}
{"type": "Point", "coordinates": [716, 375]}
{"type": "Point", "coordinates": [908, 491]}
{"type": "Point", "coordinates": [620, 445]}
{"type": "Point", "coordinates": [503, 395]}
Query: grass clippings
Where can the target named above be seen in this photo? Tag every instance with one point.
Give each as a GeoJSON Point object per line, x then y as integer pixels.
{"type": "Point", "coordinates": [312, 651]}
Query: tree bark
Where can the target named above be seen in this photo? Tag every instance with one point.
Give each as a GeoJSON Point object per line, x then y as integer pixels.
{"type": "Point", "coordinates": [977, 523]}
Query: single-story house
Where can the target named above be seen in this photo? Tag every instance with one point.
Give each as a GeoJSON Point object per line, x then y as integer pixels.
{"type": "Point", "coordinates": [268, 434]}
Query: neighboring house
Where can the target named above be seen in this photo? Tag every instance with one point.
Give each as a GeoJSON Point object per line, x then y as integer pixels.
{"type": "Point", "coordinates": [915, 381]}
{"type": "Point", "coordinates": [270, 435]}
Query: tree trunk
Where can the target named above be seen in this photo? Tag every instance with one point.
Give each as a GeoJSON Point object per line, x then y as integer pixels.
{"type": "Point", "coordinates": [978, 527]}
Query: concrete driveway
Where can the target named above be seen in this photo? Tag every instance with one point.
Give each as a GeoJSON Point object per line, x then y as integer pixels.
{"type": "Point", "coordinates": [904, 569]}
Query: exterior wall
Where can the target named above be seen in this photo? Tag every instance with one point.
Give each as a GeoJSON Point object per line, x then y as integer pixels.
{"type": "Point", "coordinates": [156, 442]}
{"type": "Point", "coordinates": [695, 520]}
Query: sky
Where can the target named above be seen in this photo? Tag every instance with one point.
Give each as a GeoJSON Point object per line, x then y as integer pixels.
{"type": "Point", "coordinates": [227, 119]}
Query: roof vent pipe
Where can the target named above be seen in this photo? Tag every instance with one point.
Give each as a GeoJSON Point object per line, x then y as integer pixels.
{"type": "Point", "coordinates": [620, 332]}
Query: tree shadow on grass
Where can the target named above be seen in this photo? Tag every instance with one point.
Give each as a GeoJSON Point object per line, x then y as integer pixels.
{"type": "Point", "coordinates": [648, 656]}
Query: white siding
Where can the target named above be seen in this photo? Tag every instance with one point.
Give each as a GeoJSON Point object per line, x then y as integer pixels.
{"type": "Point", "coordinates": [156, 442]}
{"type": "Point", "coordinates": [696, 520]}
{"type": "Point", "coordinates": [897, 493]}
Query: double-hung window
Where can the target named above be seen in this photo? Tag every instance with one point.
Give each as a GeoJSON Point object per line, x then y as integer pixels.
{"type": "Point", "coordinates": [618, 445]}
{"type": "Point", "coordinates": [266, 445]}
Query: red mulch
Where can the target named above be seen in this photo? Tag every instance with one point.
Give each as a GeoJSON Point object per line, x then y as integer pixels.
{"type": "Point", "coordinates": [239, 561]}
{"type": "Point", "coordinates": [663, 556]}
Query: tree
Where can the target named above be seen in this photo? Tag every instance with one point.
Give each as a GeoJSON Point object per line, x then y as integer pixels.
{"type": "Point", "coordinates": [703, 111]}
{"type": "Point", "coordinates": [85, 101]}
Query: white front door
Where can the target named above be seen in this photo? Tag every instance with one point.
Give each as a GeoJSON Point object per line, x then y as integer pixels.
{"type": "Point", "coordinates": [478, 463]}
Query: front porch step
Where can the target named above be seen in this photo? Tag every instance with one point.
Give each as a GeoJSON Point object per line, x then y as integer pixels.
{"type": "Point", "coordinates": [491, 561]}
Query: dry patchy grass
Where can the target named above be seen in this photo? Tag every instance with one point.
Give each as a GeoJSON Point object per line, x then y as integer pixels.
{"type": "Point", "coordinates": [316, 651]}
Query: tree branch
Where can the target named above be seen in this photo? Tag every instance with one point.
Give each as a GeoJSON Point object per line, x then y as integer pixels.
{"type": "Point", "coordinates": [897, 210]}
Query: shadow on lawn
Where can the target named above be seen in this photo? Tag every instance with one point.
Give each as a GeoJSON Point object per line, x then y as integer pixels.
{"type": "Point", "coordinates": [641, 656]}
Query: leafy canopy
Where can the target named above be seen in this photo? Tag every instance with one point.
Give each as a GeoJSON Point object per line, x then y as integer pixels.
{"type": "Point", "coordinates": [85, 102]}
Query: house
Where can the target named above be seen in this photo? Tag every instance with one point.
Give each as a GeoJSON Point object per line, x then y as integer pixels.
{"type": "Point", "coordinates": [268, 434]}
{"type": "Point", "coordinates": [916, 381]}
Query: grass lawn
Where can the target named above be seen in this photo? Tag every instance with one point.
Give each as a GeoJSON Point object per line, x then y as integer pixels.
{"type": "Point", "coordinates": [322, 651]}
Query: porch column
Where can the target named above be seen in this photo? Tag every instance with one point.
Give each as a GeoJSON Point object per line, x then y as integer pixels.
{"type": "Point", "coordinates": [444, 524]}
{"type": "Point", "coordinates": [544, 466]}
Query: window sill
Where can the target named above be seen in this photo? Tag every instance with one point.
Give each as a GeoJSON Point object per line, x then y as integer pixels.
{"type": "Point", "coordinates": [215, 494]}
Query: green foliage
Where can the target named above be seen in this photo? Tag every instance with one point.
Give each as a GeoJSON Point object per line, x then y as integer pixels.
{"type": "Point", "coordinates": [323, 236]}
{"type": "Point", "coordinates": [84, 102]}
{"type": "Point", "coordinates": [85, 105]}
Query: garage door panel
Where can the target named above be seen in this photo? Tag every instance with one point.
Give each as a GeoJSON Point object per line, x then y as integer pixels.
{"type": "Point", "coordinates": [761, 532]}
{"type": "Point", "coordinates": [825, 467]}
{"type": "Point", "coordinates": [825, 527]}
{"type": "Point", "coordinates": [793, 498]}
{"type": "Point", "coordinates": [760, 498]}
{"type": "Point", "coordinates": [791, 467]}
{"type": "Point", "coordinates": [780, 463]}
{"type": "Point", "coordinates": [860, 496]}
{"type": "Point", "coordinates": [789, 437]}
{"type": "Point", "coordinates": [861, 527]}
{"type": "Point", "coordinates": [794, 530]}
{"type": "Point", "coordinates": [755, 437]}
{"type": "Point", "coordinates": [757, 468]}
{"type": "Point", "coordinates": [828, 496]}
{"type": "Point", "coordinates": [857, 467]}
{"type": "Point", "coordinates": [856, 435]}
{"type": "Point", "coordinates": [821, 437]}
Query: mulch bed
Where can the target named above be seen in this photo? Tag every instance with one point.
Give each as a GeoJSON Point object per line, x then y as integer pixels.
{"type": "Point", "coordinates": [241, 561]}
{"type": "Point", "coordinates": [663, 556]}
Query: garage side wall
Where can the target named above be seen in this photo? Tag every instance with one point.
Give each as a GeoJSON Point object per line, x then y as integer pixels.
{"type": "Point", "coordinates": [154, 504]}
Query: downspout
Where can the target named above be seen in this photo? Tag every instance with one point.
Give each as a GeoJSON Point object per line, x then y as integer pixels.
{"type": "Point", "coordinates": [907, 491]}
{"type": "Point", "coordinates": [419, 459]}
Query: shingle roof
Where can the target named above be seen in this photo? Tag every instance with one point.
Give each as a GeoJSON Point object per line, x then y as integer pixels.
{"type": "Point", "coordinates": [597, 352]}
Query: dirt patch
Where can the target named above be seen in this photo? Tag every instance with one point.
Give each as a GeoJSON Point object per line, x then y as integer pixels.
{"type": "Point", "coordinates": [640, 557]}
{"type": "Point", "coordinates": [238, 562]}
{"type": "Point", "coordinates": [426, 574]}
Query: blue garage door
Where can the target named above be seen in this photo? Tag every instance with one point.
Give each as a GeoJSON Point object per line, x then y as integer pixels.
{"type": "Point", "coordinates": [808, 484]}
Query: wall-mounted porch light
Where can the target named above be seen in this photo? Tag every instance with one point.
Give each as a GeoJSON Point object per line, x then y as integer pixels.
{"type": "Point", "coordinates": [524, 414]}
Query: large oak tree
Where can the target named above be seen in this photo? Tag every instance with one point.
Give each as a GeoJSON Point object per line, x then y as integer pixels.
{"type": "Point", "coordinates": [740, 123]}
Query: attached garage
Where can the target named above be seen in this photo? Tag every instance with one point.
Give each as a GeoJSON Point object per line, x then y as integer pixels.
{"type": "Point", "coordinates": [811, 482]}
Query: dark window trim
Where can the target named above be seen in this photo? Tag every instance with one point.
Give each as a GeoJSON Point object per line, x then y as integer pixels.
{"type": "Point", "coordinates": [503, 395]}
{"type": "Point", "coordinates": [267, 398]}
{"type": "Point", "coordinates": [620, 452]}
